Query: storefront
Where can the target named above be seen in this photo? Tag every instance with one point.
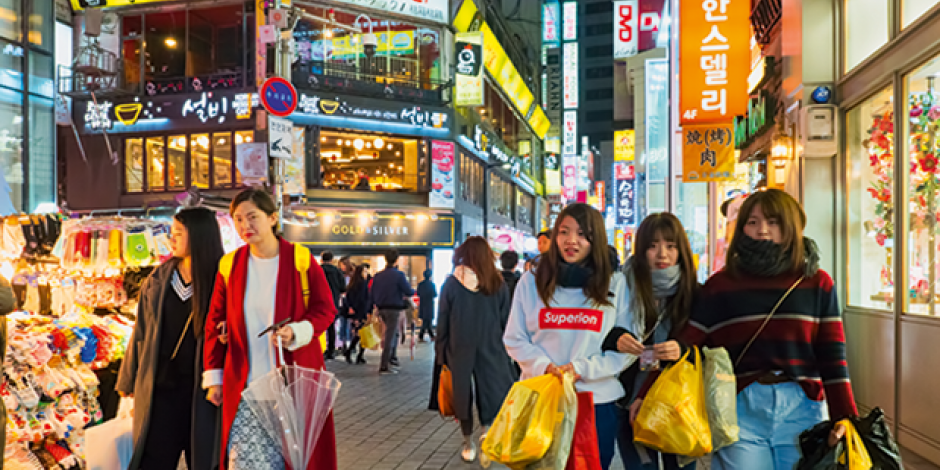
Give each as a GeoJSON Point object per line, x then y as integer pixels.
{"type": "Point", "coordinates": [887, 193]}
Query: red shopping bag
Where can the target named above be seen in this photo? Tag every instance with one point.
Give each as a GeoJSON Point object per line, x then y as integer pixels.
{"type": "Point", "coordinates": [585, 451]}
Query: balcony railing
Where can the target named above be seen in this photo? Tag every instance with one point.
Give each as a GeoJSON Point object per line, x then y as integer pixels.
{"type": "Point", "coordinates": [764, 16]}
{"type": "Point", "coordinates": [394, 79]}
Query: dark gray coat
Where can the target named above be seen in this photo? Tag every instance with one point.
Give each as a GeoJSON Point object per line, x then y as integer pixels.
{"type": "Point", "coordinates": [469, 341]}
{"type": "Point", "coordinates": [7, 304]}
{"type": "Point", "coordinates": [138, 375]}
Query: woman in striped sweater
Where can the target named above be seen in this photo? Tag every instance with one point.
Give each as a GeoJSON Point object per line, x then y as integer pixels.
{"type": "Point", "coordinates": [790, 366]}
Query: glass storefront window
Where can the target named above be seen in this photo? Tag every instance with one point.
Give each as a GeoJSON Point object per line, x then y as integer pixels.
{"type": "Point", "coordinates": [211, 160]}
{"type": "Point", "coordinates": [871, 203]}
{"type": "Point", "coordinates": [911, 10]}
{"type": "Point", "coordinates": [214, 46]}
{"type": "Point", "coordinates": [41, 23]}
{"type": "Point", "coordinates": [524, 207]}
{"type": "Point", "coordinates": [42, 174]}
{"type": "Point", "coordinates": [10, 14]}
{"type": "Point", "coordinates": [11, 65]}
{"type": "Point", "coordinates": [692, 211]}
{"type": "Point", "coordinates": [385, 163]}
{"type": "Point", "coordinates": [176, 162]}
{"type": "Point", "coordinates": [156, 164]}
{"type": "Point", "coordinates": [241, 137]}
{"type": "Point", "coordinates": [41, 74]}
{"type": "Point", "coordinates": [500, 196]}
{"type": "Point", "coordinates": [222, 159]}
{"type": "Point", "coordinates": [865, 28]}
{"type": "Point", "coordinates": [201, 147]}
{"type": "Point", "coordinates": [11, 150]}
{"type": "Point", "coordinates": [134, 165]}
{"type": "Point", "coordinates": [471, 180]}
{"type": "Point", "coordinates": [166, 49]}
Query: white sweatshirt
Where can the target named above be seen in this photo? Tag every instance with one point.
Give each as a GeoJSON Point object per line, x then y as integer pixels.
{"type": "Point", "coordinates": [570, 331]}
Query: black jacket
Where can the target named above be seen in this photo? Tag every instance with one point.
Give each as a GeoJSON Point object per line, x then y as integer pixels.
{"type": "Point", "coordinates": [337, 282]}
{"type": "Point", "coordinates": [511, 278]}
{"type": "Point", "coordinates": [359, 300]}
{"type": "Point", "coordinates": [427, 291]}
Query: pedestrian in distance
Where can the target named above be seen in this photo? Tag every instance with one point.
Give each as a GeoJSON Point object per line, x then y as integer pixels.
{"type": "Point", "coordinates": [545, 241]}
{"type": "Point", "coordinates": [777, 314]}
{"type": "Point", "coordinates": [574, 276]}
{"type": "Point", "coordinates": [474, 310]}
{"type": "Point", "coordinates": [359, 303]}
{"type": "Point", "coordinates": [662, 283]}
{"type": "Point", "coordinates": [390, 287]}
{"type": "Point", "coordinates": [163, 362]}
{"type": "Point", "coordinates": [508, 260]}
{"type": "Point", "coordinates": [427, 292]}
{"type": "Point", "coordinates": [337, 282]}
{"type": "Point", "coordinates": [259, 287]}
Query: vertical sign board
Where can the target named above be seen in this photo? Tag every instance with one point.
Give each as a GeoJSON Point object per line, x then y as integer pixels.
{"type": "Point", "coordinates": [470, 59]}
{"type": "Point", "coordinates": [261, 49]}
{"type": "Point", "coordinates": [570, 29]}
{"type": "Point", "coordinates": [708, 152]}
{"type": "Point", "coordinates": [626, 29]}
{"type": "Point", "coordinates": [554, 82]}
{"type": "Point", "coordinates": [600, 191]}
{"type": "Point", "coordinates": [625, 194]}
{"type": "Point", "coordinates": [280, 137]}
{"type": "Point", "coordinates": [714, 53]}
{"type": "Point", "coordinates": [442, 175]}
{"type": "Point", "coordinates": [570, 63]}
{"type": "Point", "coordinates": [550, 24]}
{"type": "Point", "coordinates": [571, 178]}
{"type": "Point", "coordinates": [624, 145]}
{"type": "Point", "coordinates": [570, 135]}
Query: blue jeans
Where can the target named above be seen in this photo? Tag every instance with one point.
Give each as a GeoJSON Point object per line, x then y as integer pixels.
{"type": "Point", "coordinates": [630, 454]}
{"type": "Point", "coordinates": [607, 421]}
{"type": "Point", "coordinates": [771, 418]}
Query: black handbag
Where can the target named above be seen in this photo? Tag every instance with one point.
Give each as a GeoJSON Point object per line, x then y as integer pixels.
{"type": "Point", "coordinates": [873, 429]}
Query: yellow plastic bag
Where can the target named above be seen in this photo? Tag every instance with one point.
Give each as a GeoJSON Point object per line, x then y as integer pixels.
{"type": "Point", "coordinates": [673, 418]}
{"type": "Point", "coordinates": [855, 455]}
{"type": "Point", "coordinates": [557, 456]}
{"type": "Point", "coordinates": [369, 336]}
{"type": "Point", "coordinates": [522, 431]}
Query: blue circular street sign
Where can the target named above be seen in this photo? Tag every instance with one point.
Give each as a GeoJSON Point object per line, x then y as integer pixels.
{"type": "Point", "coordinates": [278, 97]}
{"type": "Point", "coordinates": [822, 95]}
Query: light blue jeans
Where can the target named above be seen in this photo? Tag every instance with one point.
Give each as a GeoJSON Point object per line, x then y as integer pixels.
{"type": "Point", "coordinates": [771, 418]}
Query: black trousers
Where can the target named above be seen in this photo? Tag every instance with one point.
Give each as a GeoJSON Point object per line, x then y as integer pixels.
{"type": "Point", "coordinates": [170, 432]}
{"type": "Point", "coordinates": [426, 326]}
{"type": "Point", "coordinates": [331, 339]}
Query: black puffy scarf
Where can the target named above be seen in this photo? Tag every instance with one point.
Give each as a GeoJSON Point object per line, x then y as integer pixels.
{"type": "Point", "coordinates": [765, 258]}
{"type": "Point", "coordinates": [573, 275]}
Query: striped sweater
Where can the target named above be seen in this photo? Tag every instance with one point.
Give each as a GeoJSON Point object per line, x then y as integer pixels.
{"type": "Point", "coordinates": [804, 339]}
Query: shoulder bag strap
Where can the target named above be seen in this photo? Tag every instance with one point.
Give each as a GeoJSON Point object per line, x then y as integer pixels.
{"type": "Point", "coordinates": [767, 320]}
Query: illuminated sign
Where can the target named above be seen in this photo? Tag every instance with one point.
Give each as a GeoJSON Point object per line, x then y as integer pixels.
{"type": "Point", "coordinates": [490, 147]}
{"type": "Point", "coordinates": [570, 179]}
{"type": "Point", "coordinates": [599, 191]}
{"type": "Point", "coordinates": [570, 29]}
{"type": "Point", "coordinates": [381, 230]}
{"type": "Point", "coordinates": [626, 28]}
{"type": "Point", "coordinates": [434, 10]}
{"type": "Point", "coordinates": [713, 60]}
{"type": "Point", "coordinates": [98, 116]}
{"type": "Point", "coordinates": [570, 60]}
{"type": "Point", "coordinates": [550, 23]}
{"type": "Point", "coordinates": [82, 4]}
{"type": "Point", "coordinates": [166, 112]}
{"type": "Point", "coordinates": [625, 194]}
{"type": "Point", "coordinates": [539, 122]}
{"type": "Point", "coordinates": [759, 118]}
{"type": "Point", "coordinates": [327, 108]}
{"type": "Point", "coordinates": [469, 83]}
{"type": "Point", "coordinates": [708, 152]}
{"type": "Point", "coordinates": [570, 135]}
{"type": "Point", "coordinates": [624, 145]}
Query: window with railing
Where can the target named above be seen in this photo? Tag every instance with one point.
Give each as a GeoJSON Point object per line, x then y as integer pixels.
{"type": "Point", "coordinates": [337, 49]}
{"type": "Point", "coordinates": [175, 162]}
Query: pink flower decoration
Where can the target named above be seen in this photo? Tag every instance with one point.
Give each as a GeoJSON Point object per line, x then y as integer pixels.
{"type": "Point", "coordinates": [934, 113]}
{"type": "Point", "coordinates": [879, 223]}
{"type": "Point", "coordinates": [881, 238]}
{"type": "Point", "coordinates": [917, 111]}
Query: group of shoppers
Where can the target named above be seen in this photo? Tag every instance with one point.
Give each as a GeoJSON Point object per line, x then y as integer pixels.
{"type": "Point", "coordinates": [576, 312]}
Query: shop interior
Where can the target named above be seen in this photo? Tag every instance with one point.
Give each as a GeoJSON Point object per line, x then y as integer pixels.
{"type": "Point", "coordinates": [212, 161]}
{"type": "Point", "coordinates": [387, 163]}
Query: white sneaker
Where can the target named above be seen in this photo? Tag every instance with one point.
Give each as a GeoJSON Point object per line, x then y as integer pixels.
{"type": "Point", "coordinates": [469, 452]}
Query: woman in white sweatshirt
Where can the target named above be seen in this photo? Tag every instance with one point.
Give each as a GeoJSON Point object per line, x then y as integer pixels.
{"type": "Point", "coordinates": [562, 312]}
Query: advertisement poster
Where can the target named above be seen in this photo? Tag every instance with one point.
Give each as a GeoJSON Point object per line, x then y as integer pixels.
{"type": "Point", "coordinates": [252, 163]}
{"type": "Point", "coordinates": [569, 54]}
{"type": "Point", "coordinates": [295, 181]}
{"type": "Point", "coordinates": [442, 175]}
{"type": "Point", "coordinates": [708, 152]}
{"type": "Point", "coordinates": [469, 49]}
{"type": "Point", "coordinates": [624, 145]}
{"type": "Point", "coordinates": [571, 179]}
{"type": "Point", "coordinates": [626, 27]}
{"type": "Point", "coordinates": [280, 138]}
{"type": "Point", "coordinates": [625, 200]}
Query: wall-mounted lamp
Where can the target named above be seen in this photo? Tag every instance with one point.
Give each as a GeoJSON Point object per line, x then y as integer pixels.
{"type": "Point", "coordinates": [780, 152]}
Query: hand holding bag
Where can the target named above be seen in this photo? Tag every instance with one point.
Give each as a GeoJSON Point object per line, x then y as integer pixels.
{"type": "Point", "coordinates": [445, 393]}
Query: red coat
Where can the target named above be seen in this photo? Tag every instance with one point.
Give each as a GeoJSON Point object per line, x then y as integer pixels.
{"type": "Point", "coordinates": [228, 302]}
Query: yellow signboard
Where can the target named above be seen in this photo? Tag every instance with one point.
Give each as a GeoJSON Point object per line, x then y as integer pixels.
{"type": "Point", "coordinates": [539, 122]}
{"type": "Point", "coordinates": [82, 4]}
{"type": "Point", "coordinates": [708, 152]}
{"type": "Point", "coordinates": [394, 43]}
{"type": "Point", "coordinates": [624, 145]}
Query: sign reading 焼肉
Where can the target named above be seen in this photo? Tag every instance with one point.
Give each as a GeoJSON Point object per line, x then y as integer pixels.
{"type": "Point", "coordinates": [469, 50]}
{"type": "Point", "coordinates": [708, 152]}
{"type": "Point", "coordinates": [714, 52]}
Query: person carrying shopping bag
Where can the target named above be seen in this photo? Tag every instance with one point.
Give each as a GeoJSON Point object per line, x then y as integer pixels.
{"type": "Point", "coordinates": [777, 315]}
{"type": "Point", "coordinates": [359, 302]}
{"type": "Point", "coordinates": [163, 362]}
{"type": "Point", "coordinates": [474, 309]}
{"type": "Point", "coordinates": [259, 290]}
{"type": "Point", "coordinates": [562, 312]}
{"type": "Point", "coordinates": [661, 278]}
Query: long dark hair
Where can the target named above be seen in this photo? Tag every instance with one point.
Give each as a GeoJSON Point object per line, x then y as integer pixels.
{"type": "Point", "coordinates": [356, 279]}
{"type": "Point", "coordinates": [775, 204]}
{"type": "Point", "coordinates": [205, 247]}
{"type": "Point", "coordinates": [476, 254]}
{"type": "Point", "coordinates": [598, 285]}
{"type": "Point", "coordinates": [678, 308]}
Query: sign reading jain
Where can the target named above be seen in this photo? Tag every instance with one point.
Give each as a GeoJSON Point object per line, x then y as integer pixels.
{"type": "Point", "coordinates": [384, 230]}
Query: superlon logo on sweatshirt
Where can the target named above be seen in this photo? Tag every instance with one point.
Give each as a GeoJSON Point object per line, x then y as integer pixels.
{"type": "Point", "coordinates": [571, 319]}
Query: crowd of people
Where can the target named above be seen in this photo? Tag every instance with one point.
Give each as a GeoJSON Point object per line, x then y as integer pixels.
{"type": "Point", "coordinates": [209, 323]}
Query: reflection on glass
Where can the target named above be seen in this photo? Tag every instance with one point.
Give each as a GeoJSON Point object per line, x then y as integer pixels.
{"type": "Point", "coordinates": [176, 162]}
{"type": "Point", "coordinates": [156, 164]}
{"type": "Point", "coordinates": [215, 43]}
{"type": "Point", "coordinates": [10, 19]}
{"type": "Point", "coordinates": [165, 38]}
{"type": "Point", "coordinates": [134, 165]}
{"type": "Point", "coordinates": [911, 10]}
{"type": "Point", "coordinates": [870, 199]}
{"type": "Point", "coordinates": [41, 23]}
{"type": "Point", "coordinates": [132, 63]}
{"type": "Point", "coordinates": [201, 147]}
{"type": "Point", "coordinates": [42, 168]}
{"type": "Point", "coordinates": [692, 211]}
{"type": "Point", "coordinates": [866, 29]}
{"type": "Point", "coordinates": [222, 159]}
{"type": "Point", "coordinates": [368, 161]}
{"type": "Point", "coordinates": [241, 137]}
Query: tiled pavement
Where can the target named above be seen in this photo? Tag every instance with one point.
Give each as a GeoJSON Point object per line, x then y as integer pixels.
{"type": "Point", "coordinates": [382, 422]}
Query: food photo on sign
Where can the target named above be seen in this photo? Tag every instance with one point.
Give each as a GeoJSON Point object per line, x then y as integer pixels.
{"type": "Point", "coordinates": [442, 175]}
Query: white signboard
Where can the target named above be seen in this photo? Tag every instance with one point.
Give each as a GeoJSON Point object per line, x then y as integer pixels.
{"type": "Point", "coordinates": [626, 24]}
{"type": "Point", "coordinates": [295, 181]}
{"type": "Point", "coordinates": [433, 10]}
{"type": "Point", "coordinates": [550, 22]}
{"type": "Point", "coordinates": [570, 63]}
{"type": "Point", "coordinates": [570, 137]}
{"type": "Point", "coordinates": [280, 137]}
{"type": "Point", "coordinates": [570, 29]}
{"type": "Point", "coordinates": [251, 159]}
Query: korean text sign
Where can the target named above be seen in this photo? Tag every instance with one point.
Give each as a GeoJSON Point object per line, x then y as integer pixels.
{"type": "Point", "coordinates": [708, 152]}
{"type": "Point", "coordinates": [469, 74]}
{"type": "Point", "coordinates": [625, 194]}
{"type": "Point", "coordinates": [624, 145]}
{"type": "Point", "coordinates": [714, 53]}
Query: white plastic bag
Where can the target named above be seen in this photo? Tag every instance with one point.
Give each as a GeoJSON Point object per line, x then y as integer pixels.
{"type": "Point", "coordinates": [110, 446]}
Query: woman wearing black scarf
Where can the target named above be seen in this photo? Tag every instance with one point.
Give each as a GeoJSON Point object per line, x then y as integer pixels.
{"type": "Point", "coordinates": [777, 314]}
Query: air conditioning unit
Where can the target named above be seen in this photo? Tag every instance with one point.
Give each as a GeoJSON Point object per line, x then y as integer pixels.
{"type": "Point", "coordinates": [820, 130]}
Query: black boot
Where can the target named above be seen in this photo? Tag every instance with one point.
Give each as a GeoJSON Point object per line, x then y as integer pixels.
{"type": "Point", "coordinates": [349, 355]}
{"type": "Point", "coordinates": [359, 358]}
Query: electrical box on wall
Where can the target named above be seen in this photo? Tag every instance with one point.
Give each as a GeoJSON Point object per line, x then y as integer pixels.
{"type": "Point", "coordinates": [820, 130]}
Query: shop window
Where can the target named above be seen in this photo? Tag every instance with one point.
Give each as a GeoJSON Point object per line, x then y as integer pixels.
{"type": "Point", "coordinates": [176, 163]}
{"type": "Point", "coordinates": [911, 10]}
{"type": "Point", "coordinates": [471, 180]}
{"type": "Point", "coordinates": [214, 47]}
{"type": "Point", "coordinates": [871, 203]}
{"type": "Point", "coordinates": [156, 163]}
{"type": "Point", "coordinates": [42, 177]}
{"type": "Point", "coordinates": [865, 29]}
{"type": "Point", "coordinates": [240, 138]}
{"type": "Point", "coordinates": [222, 159]}
{"type": "Point", "coordinates": [165, 39]}
{"type": "Point", "coordinates": [500, 196]}
{"type": "Point", "coordinates": [11, 147]}
{"type": "Point", "coordinates": [210, 157]}
{"type": "Point", "coordinates": [352, 160]}
{"type": "Point", "coordinates": [134, 165]}
{"type": "Point", "coordinates": [41, 23]}
{"type": "Point", "coordinates": [10, 13]}
{"type": "Point", "coordinates": [11, 65]}
{"type": "Point", "coordinates": [199, 159]}
{"type": "Point", "coordinates": [525, 207]}
{"type": "Point", "coordinates": [41, 73]}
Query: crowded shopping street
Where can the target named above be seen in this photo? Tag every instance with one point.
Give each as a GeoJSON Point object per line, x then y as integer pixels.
{"type": "Point", "coordinates": [447, 234]}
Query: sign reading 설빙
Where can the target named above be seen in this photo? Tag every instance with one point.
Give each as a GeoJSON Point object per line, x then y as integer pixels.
{"type": "Point", "coordinates": [708, 152]}
{"type": "Point", "coordinates": [714, 52]}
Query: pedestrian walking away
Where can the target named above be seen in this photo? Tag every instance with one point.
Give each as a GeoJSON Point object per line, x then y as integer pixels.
{"type": "Point", "coordinates": [508, 260]}
{"type": "Point", "coordinates": [337, 282]}
{"type": "Point", "coordinates": [389, 290]}
{"type": "Point", "coordinates": [359, 303]}
{"type": "Point", "coordinates": [473, 316]}
{"type": "Point", "coordinates": [662, 282]}
{"type": "Point", "coordinates": [574, 273]}
{"type": "Point", "coordinates": [427, 292]}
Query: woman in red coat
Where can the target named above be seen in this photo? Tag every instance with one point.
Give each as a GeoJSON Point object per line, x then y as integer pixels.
{"type": "Point", "coordinates": [262, 288]}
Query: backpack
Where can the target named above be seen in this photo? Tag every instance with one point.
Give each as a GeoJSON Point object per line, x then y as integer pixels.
{"type": "Point", "coordinates": [301, 262]}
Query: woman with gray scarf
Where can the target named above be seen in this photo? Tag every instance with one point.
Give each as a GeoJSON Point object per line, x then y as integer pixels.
{"type": "Point", "coordinates": [661, 278]}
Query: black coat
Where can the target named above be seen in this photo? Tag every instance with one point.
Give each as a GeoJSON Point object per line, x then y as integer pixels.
{"type": "Point", "coordinates": [359, 300]}
{"type": "Point", "coordinates": [427, 291]}
{"type": "Point", "coordinates": [336, 280]}
{"type": "Point", "coordinates": [470, 327]}
{"type": "Point", "coordinates": [512, 279]}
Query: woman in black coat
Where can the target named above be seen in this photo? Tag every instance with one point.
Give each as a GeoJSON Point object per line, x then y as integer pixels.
{"type": "Point", "coordinates": [427, 292]}
{"type": "Point", "coordinates": [359, 303]}
{"type": "Point", "coordinates": [473, 311]}
{"type": "Point", "coordinates": [162, 368]}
